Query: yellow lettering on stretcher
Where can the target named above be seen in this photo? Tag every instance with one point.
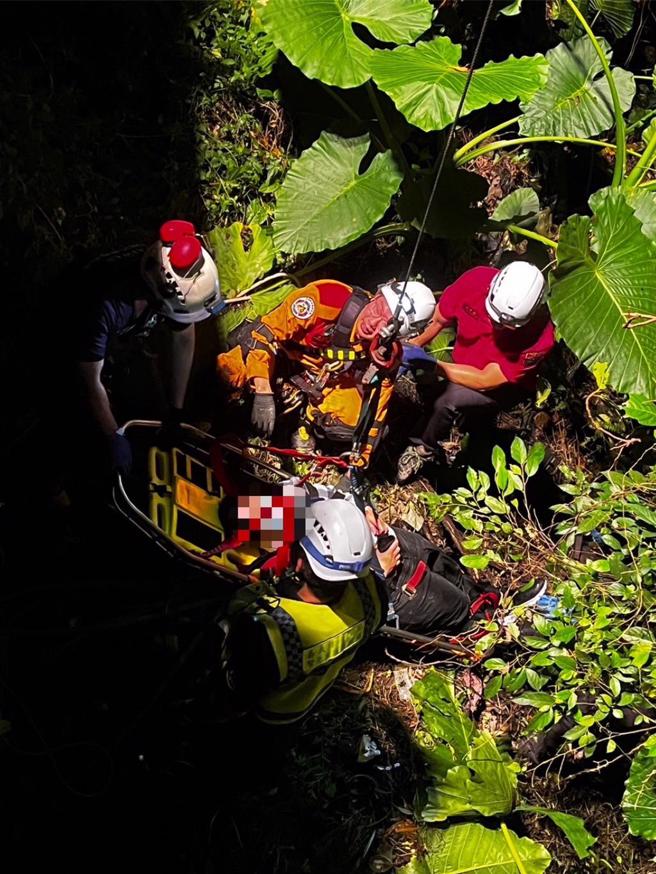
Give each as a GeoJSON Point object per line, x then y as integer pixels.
{"type": "Point", "coordinates": [331, 649]}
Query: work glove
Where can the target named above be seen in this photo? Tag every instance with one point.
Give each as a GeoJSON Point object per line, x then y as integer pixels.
{"type": "Point", "coordinates": [415, 358]}
{"type": "Point", "coordinates": [171, 434]}
{"type": "Point", "coordinates": [120, 453]}
{"type": "Point", "coordinates": [263, 416]}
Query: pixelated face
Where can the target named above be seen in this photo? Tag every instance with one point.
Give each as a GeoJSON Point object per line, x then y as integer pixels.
{"type": "Point", "coordinates": [270, 521]}
{"type": "Point", "coordinates": [373, 318]}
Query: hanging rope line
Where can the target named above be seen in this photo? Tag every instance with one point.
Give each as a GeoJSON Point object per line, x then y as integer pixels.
{"type": "Point", "coordinates": [439, 163]}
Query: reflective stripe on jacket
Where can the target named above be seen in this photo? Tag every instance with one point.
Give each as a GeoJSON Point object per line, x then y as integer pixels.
{"type": "Point", "coordinates": [311, 643]}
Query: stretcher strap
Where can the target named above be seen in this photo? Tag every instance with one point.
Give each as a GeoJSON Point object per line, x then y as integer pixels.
{"type": "Point", "coordinates": [320, 460]}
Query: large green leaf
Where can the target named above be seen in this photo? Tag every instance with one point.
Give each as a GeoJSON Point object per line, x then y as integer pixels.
{"type": "Point", "coordinates": [426, 81]}
{"type": "Point", "coordinates": [517, 206]}
{"type": "Point", "coordinates": [644, 206]}
{"type": "Point", "coordinates": [572, 826]}
{"type": "Point", "coordinates": [239, 265]}
{"type": "Point", "coordinates": [618, 14]}
{"type": "Point", "coordinates": [486, 784]}
{"type": "Point", "coordinates": [318, 35]}
{"type": "Point", "coordinates": [642, 409]}
{"type": "Point", "coordinates": [606, 269]}
{"type": "Point", "coordinates": [442, 714]}
{"type": "Point", "coordinates": [473, 849]}
{"type": "Point", "coordinates": [639, 801]}
{"type": "Point", "coordinates": [326, 202]}
{"type": "Point", "coordinates": [576, 100]}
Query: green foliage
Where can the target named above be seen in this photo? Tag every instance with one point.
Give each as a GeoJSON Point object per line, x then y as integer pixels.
{"type": "Point", "coordinates": [426, 81]}
{"type": "Point", "coordinates": [473, 849]}
{"type": "Point", "coordinates": [642, 409]}
{"type": "Point", "coordinates": [258, 304]}
{"type": "Point", "coordinates": [240, 265]}
{"type": "Point", "coordinates": [617, 13]}
{"type": "Point", "coordinates": [606, 269]}
{"type": "Point", "coordinates": [468, 773]}
{"type": "Point", "coordinates": [345, 204]}
{"type": "Point", "coordinates": [521, 204]}
{"type": "Point", "coordinates": [318, 37]}
{"type": "Point", "coordinates": [486, 517]}
{"type": "Point", "coordinates": [572, 826]}
{"type": "Point", "coordinates": [639, 801]}
{"type": "Point", "coordinates": [576, 99]}
{"type": "Point", "coordinates": [240, 160]}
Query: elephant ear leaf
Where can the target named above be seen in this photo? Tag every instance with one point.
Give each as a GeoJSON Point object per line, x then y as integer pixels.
{"type": "Point", "coordinates": [519, 205]}
{"type": "Point", "coordinates": [606, 272]}
{"type": "Point", "coordinates": [426, 81]}
{"type": "Point", "coordinates": [326, 202]}
{"type": "Point", "coordinates": [474, 849]}
{"type": "Point", "coordinates": [639, 801]}
{"type": "Point", "coordinates": [576, 100]}
{"type": "Point", "coordinates": [618, 14]}
{"type": "Point", "coordinates": [318, 36]}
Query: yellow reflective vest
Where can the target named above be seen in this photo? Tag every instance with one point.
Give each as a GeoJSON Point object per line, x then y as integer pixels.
{"type": "Point", "coordinates": [311, 643]}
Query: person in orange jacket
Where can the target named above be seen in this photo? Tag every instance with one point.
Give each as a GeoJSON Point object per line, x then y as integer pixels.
{"type": "Point", "coordinates": [333, 336]}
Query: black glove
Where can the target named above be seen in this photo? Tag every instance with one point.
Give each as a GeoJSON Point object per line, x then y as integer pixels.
{"type": "Point", "coordinates": [171, 434]}
{"type": "Point", "coordinates": [120, 453]}
{"type": "Point", "coordinates": [263, 416]}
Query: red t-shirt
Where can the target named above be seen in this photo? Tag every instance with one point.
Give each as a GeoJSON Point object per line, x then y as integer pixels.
{"type": "Point", "coordinates": [480, 342]}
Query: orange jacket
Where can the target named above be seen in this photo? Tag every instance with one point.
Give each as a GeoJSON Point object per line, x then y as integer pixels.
{"type": "Point", "coordinates": [297, 328]}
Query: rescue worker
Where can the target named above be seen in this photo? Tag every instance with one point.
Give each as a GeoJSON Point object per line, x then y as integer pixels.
{"type": "Point", "coordinates": [174, 284]}
{"type": "Point", "coordinates": [285, 649]}
{"type": "Point", "coordinates": [428, 591]}
{"type": "Point", "coordinates": [503, 332]}
{"type": "Point", "coordinates": [335, 340]}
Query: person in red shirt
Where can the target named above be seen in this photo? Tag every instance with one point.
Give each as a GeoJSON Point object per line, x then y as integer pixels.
{"type": "Point", "coordinates": [503, 332]}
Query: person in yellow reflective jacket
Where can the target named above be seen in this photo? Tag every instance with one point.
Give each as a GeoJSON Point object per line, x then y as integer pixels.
{"type": "Point", "coordinates": [285, 648]}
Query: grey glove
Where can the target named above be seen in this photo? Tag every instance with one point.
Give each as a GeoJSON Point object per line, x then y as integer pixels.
{"type": "Point", "coordinates": [263, 416]}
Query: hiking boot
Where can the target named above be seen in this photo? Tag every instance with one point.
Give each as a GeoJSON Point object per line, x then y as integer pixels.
{"type": "Point", "coordinates": [411, 462]}
{"type": "Point", "coordinates": [303, 440]}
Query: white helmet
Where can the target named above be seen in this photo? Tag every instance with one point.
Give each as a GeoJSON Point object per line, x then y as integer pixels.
{"type": "Point", "coordinates": [515, 294]}
{"type": "Point", "coordinates": [338, 544]}
{"type": "Point", "coordinates": [417, 305]}
{"type": "Point", "coordinates": [182, 274]}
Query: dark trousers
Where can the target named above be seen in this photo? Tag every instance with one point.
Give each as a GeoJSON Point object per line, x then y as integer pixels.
{"type": "Point", "coordinates": [465, 407]}
{"type": "Point", "coordinates": [441, 603]}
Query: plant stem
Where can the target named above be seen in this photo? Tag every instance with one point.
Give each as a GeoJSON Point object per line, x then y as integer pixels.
{"type": "Point", "coordinates": [644, 78]}
{"type": "Point", "coordinates": [511, 846]}
{"type": "Point", "coordinates": [646, 160]}
{"type": "Point", "coordinates": [385, 230]}
{"type": "Point", "coordinates": [532, 235]}
{"type": "Point", "coordinates": [620, 127]}
{"type": "Point", "coordinates": [484, 136]}
{"type": "Point", "coordinates": [642, 121]}
{"type": "Point", "coordinates": [502, 144]}
{"type": "Point", "coordinates": [392, 142]}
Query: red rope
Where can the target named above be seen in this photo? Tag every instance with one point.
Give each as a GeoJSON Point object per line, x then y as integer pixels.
{"type": "Point", "coordinates": [320, 460]}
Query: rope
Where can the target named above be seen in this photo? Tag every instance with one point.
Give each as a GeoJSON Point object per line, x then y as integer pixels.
{"type": "Point", "coordinates": [440, 163]}
{"type": "Point", "coordinates": [320, 460]}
